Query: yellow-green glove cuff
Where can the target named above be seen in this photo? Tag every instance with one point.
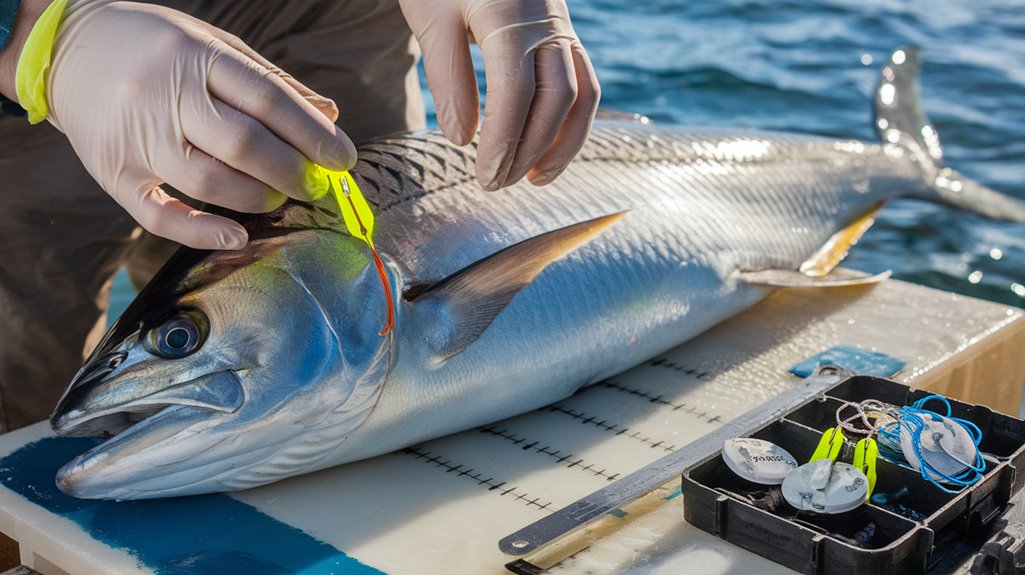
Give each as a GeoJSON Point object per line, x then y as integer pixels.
{"type": "Point", "coordinates": [34, 63]}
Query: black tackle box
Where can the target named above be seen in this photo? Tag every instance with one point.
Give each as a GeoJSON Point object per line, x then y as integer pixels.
{"type": "Point", "coordinates": [825, 544]}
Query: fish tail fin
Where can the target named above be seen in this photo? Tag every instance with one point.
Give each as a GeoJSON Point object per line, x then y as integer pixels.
{"type": "Point", "coordinates": [903, 127]}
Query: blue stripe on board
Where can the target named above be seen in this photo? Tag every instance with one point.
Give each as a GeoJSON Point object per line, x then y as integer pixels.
{"type": "Point", "coordinates": [204, 534]}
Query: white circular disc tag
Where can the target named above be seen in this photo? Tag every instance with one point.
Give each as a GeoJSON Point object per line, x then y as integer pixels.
{"type": "Point", "coordinates": [959, 444]}
{"type": "Point", "coordinates": [845, 489]}
{"type": "Point", "coordinates": [944, 444]}
{"type": "Point", "coordinates": [757, 460]}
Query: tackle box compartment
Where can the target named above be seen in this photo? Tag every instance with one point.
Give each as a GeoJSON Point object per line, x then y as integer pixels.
{"type": "Point", "coordinates": [720, 502]}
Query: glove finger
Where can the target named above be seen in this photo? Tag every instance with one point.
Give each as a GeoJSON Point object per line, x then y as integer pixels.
{"type": "Point", "coordinates": [555, 95]}
{"type": "Point", "coordinates": [449, 70]}
{"type": "Point", "coordinates": [246, 145]}
{"type": "Point", "coordinates": [574, 131]}
{"type": "Point", "coordinates": [253, 90]}
{"type": "Point", "coordinates": [209, 180]}
{"type": "Point", "coordinates": [509, 94]}
{"type": "Point", "coordinates": [325, 105]}
{"type": "Point", "coordinates": [169, 218]}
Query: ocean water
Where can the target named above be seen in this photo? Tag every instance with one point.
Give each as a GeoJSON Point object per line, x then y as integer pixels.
{"type": "Point", "coordinates": [810, 66]}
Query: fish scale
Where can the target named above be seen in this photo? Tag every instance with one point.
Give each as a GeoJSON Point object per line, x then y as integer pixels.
{"type": "Point", "coordinates": [691, 210]}
{"type": "Point", "coordinates": [598, 184]}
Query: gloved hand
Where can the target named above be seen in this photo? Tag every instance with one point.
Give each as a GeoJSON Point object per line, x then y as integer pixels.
{"type": "Point", "coordinates": [542, 93]}
{"type": "Point", "coordinates": [148, 95]}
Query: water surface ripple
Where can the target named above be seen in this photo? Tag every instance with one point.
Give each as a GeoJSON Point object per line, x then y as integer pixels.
{"type": "Point", "coordinates": [811, 67]}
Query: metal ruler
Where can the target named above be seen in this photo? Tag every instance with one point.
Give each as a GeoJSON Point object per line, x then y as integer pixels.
{"type": "Point", "coordinates": [582, 512]}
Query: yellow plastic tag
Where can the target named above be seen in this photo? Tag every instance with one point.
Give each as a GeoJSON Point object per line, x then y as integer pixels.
{"type": "Point", "coordinates": [865, 454]}
{"type": "Point", "coordinates": [355, 210]}
{"type": "Point", "coordinates": [34, 63]}
{"type": "Point", "coordinates": [359, 220]}
{"type": "Point", "coordinates": [829, 445]}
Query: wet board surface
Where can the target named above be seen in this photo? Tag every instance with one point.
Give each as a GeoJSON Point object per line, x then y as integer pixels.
{"type": "Point", "coordinates": [442, 506]}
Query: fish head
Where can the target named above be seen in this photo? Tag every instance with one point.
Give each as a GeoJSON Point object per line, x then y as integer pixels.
{"type": "Point", "coordinates": [229, 370]}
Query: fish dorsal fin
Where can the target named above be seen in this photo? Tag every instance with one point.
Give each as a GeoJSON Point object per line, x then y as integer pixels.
{"type": "Point", "coordinates": [794, 279]}
{"type": "Point", "coordinates": [476, 294]}
{"type": "Point", "coordinates": [836, 247]}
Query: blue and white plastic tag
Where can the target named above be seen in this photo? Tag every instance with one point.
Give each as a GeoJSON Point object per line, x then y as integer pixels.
{"type": "Point", "coordinates": [946, 447]}
{"type": "Point", "coordinates": [853, 359]}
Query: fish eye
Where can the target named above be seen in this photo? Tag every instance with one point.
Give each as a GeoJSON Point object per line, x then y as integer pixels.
{"type": "Point", "coordinates": [179, 336]}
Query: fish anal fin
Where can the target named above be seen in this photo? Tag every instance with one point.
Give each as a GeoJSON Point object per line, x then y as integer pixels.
{"type": "Point", "coordinates": [476, 294]}
{"type": "Point", "coordinates": [837, 247]}
{"type": "Point", "coordinates": [794, 279]}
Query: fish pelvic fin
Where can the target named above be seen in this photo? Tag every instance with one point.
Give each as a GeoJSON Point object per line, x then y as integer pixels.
{"type": "Point", "coordinates": [794, 279]}
{"type": "Point", "coordinates": [904, 129]}
{"type": "Point", "coordinates": [476, 294]}
{"type": "Point", "coordinates": [839, 245]}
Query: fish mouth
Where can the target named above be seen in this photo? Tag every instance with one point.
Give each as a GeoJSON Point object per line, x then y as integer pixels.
{"type": "Point", "coordinates": [148, 438]}
{"type": "Point", "coordinates": [105, 424]}
{"type": "Point", "coordinates": [130, 465]}
{"type": "Point", "coordinates": [104, 412]}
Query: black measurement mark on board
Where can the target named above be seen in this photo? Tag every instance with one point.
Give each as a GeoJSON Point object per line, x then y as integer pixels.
{"type": "Point", "coordinates": [697, 373]}
{"type": "Point", "coordinates": [490, 483]}
{"type": "Point", "coordinates": [571, 461]}
{"type": "Point", "coordinates": [586, 419]}
{"type": "Point", "coordinates": [677, 406]}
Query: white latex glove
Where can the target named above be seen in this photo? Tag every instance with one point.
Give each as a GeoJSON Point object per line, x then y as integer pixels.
{"type": "Point", "coordinates": [148, 95]}
{"type": "Point", "coordinates": [542, 93]}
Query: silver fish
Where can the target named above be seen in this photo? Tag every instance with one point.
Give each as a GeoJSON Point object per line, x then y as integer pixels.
{"type": "Point", "coordinates": [232, 370]}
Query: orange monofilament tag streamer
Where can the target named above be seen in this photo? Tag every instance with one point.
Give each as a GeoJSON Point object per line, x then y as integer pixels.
{"type": "Point", "coordinates": [360, 222]}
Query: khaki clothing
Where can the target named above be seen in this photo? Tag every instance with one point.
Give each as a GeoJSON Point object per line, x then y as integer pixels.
{"type": "Point", "coordinates": [62, 238]}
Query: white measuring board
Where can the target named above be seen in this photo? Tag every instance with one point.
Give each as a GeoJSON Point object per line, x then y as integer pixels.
{"type": "Point", "coordinates": [442, 506]}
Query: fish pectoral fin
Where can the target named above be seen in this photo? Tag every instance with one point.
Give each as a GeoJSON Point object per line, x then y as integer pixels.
{"type": "Point", "coordinates": [476, 294]}
{"type": "Point", "coordinates": [839, 277]}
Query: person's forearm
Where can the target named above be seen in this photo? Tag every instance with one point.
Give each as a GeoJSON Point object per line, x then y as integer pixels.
{"type": "Point", "coordinates": [28, 13]}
